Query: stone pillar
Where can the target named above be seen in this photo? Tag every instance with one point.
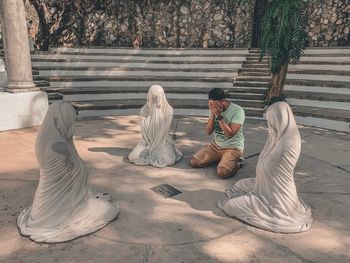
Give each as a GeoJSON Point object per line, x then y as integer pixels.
{"type": "Point", "coordinates": [16, 47]}
{"type": "Point", "coordinates": [23, 105]}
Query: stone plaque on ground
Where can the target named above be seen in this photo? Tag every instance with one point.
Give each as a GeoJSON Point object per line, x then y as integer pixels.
{"type": "Point", "coordinates": [165, 190]}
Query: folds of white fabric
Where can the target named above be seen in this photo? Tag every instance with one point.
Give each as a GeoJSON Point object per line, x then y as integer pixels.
{"type": "Point", "coordinates": [156, 147]}
{"type": "Point", "coordinates": [64, 207]}
{"type": "Point", "coordinates": [270, 200]}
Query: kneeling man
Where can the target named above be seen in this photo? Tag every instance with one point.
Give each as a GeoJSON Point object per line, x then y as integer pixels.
{"type": "Point", "coordinates": [226, 121]}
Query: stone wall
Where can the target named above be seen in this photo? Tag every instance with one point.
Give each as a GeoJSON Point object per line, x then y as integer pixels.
{"type": "Point", "coordinates": [329, 22]}
{"type": "Point", "coordinates": [162, 23]}
{"type": "Point", "coordinates": [187, 23]}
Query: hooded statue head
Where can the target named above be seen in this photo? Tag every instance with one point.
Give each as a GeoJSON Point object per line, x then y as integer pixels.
{"type": "Point", "coordinates": [156, 100]}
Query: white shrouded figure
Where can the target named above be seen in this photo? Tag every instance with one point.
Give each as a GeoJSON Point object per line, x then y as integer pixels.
{"type": "Point", "coordinates": [64, 207]}
{"type": "Point", "coordinates": [270, 200]}
{"type": "Point", "coordinates": [156, 146]}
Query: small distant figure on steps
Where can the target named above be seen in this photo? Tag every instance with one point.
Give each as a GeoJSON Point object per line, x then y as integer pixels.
{"type": "Point", "coordinates": [137, 42]}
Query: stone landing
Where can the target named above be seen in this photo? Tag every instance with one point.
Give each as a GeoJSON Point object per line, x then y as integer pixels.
{"type": "Point", "coordinates": [188, 227]}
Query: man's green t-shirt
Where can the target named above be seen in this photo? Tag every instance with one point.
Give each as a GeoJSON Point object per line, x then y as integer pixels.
{"type": "Point", "coordinates": [233, 114]}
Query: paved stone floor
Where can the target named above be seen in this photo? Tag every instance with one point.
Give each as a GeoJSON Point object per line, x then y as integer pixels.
{"type": "Point", "coordinates": [188, 227]}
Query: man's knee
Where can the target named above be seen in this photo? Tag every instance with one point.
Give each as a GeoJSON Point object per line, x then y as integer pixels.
{"type": "Point", "coordinates": [195, 163]}
{"type": "Point", "coordinates": [224, 172]}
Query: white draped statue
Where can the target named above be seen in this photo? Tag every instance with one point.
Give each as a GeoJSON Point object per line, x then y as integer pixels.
{"type": "Point", "coordinates": [270, 200]}
{"type": "Point", "coordinates": [64, 207]}
{"type": "Point", "coordinates": [156, 146]}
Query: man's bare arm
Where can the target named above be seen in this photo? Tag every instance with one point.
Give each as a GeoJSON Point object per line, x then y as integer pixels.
{"type": "Point", "coordinates": [210, 124]}
{"type": "Point", "coordinates": [229, 129]}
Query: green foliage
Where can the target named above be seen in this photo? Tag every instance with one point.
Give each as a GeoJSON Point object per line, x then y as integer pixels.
{"type": "Point", "coordinates": [284, 37]}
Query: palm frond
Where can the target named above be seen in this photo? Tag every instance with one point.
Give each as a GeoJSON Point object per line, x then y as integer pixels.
{"type": "Point", "coordinates": [284, 37]}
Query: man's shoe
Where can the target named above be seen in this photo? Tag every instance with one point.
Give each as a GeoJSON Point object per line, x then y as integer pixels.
{"type": "Point", "coordinates": [240, 162]}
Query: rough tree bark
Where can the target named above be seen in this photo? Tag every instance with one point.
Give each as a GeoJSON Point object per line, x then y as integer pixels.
{"type": "Point", "coordinates": [277, 82]}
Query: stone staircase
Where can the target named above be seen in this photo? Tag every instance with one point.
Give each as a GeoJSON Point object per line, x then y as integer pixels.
{"type": "Point", "coordinates": [253, 79]}
{"type": "Point", "coordinates": [318, 89]}
{"type": "Point", "coordinates": [109, 81]}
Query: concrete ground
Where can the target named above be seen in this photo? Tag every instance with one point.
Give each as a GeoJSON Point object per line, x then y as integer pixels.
{"type": "Point", "coordinates": [188, 227]}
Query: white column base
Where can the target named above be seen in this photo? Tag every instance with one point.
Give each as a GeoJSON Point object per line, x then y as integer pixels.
{"type": "Point", "coordinates": [18, 87]}
{"type": "Point", "coordinates": [22, 109]}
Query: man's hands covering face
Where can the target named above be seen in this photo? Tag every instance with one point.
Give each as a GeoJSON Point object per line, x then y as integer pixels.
{"type": "Point", "coordinates": [215, 107]}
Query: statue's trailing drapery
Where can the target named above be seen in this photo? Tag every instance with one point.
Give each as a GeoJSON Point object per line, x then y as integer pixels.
{"type": "Point", "coordinates": [64, 207]}
{"type": "Point", "coordinates": [270, 200]}
{"type": "Point", "coordinates": [156, 146]}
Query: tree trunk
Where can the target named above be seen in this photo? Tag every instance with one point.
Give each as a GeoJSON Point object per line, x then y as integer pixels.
{"type": "Point", "coordinates": [43, 29]}
{"type": "Point", "coordinates": [277, 82]}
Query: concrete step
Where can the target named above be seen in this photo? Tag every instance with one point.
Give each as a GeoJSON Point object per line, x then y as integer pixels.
{"type": "Point", "coordinates": [244, 92]}
{"type": "Point", "coordinates": [255, 65]}
{"type": "Point", "coordinates": [185, 85]}
{"type": "Point", "coordinates": [318, 80]}
{"type": "Point", "coordinates": [322, 113]}
{"type": "Point", "coordinates": [256, 60]}
{"type": "Point", "coordinates": [317, 89]}
{"type": "Point", "coordinates": [343, 51]}
{"type": "Point", "coordinates": [251, 84]}
{"type": "Point", "coordinates": [155, 79]}
{"type": "Point", "coordinates": [116, 90]}
{"type": "Point", "coordinates": [321, 104]}
{"type": "Point", "coordinates": [178, 52]}
{"type": "Point", "coordinates": [343, 60]}
{"type": "Point", "coordinates": [246, 96]}
{"type": "Point", "coordinates": [253, 73]}
{"type": "Point", "coordinates": [251, 113]}
{"type": "Point", "coordinates": [255, 55]}
{"type": "Point", "coordinates": [104, 66]}
{"type": "Point", "coordinates": [319, 51]}
{"type": "Point", "coordinates": [54, 96]}
{"type": "Point", "coordinates": [243, 89]}
{"type": "Point", "coordinates": [131, 96]}
{"type": "Point", "coordinates": [137, 59]}
{"type": "Point", "coordinates": [325, 69]}
{"type": "Point", "coordinates": [41, 83]}
{"type": "Point", "coordinates": [253, 78]}
{"type": "Point", "coordinates": [319, 72]}
{"type": "Point", "coordinates": [125, 95]}
{"type": "Point", "coordinates": [252, 70]}
{"type": "Point", "coordinates": [131, 74]}
{"type": "Point", "coordinates": [303, 95]}
{"type": "Point", "coordinates": [138, 103]}
{"type": "Point", "coordinates": [254, 51]}
{"type": "Point", "coordinates": [35, 72]}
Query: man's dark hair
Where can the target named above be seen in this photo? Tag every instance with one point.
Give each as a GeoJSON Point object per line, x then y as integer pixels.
{"type": "Point", "coordinates": [217, 94]}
